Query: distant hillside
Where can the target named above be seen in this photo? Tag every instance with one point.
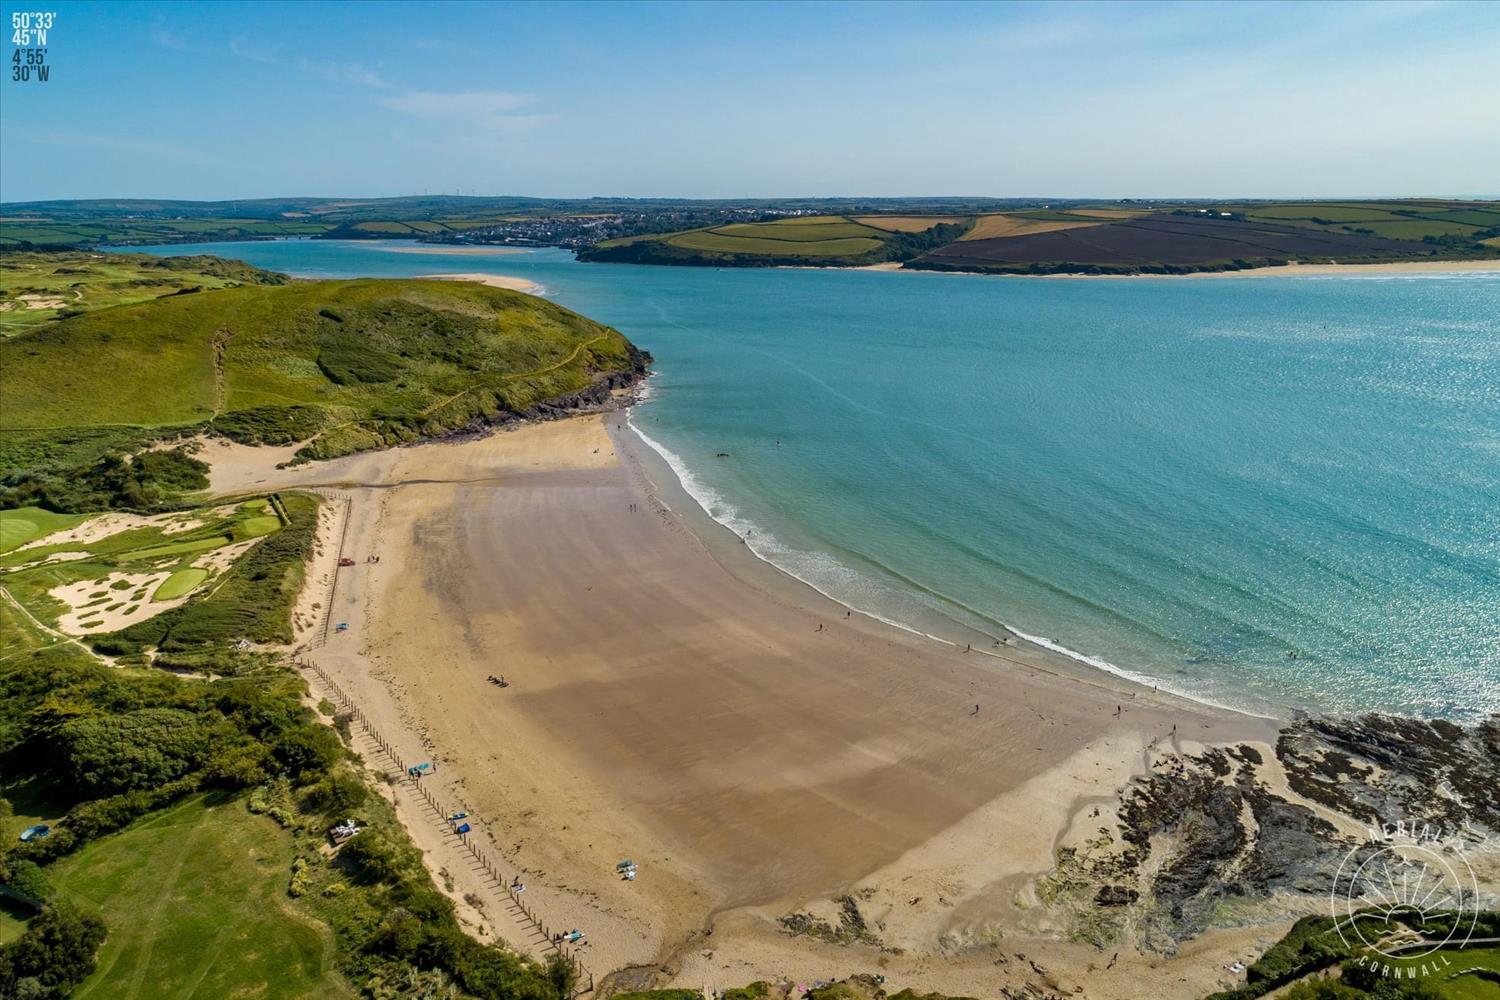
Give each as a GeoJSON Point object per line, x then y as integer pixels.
{"type": "Point", "coordinates": [828, 240]}
{"type": "Point", "coordinates": [1226, 237]}
{"type": "Point", "coordinates": [1083, 238]}
{"type": "Point", "coordinates": [340, 365]}
{"type": "Point", "coordinates": [449, 218]}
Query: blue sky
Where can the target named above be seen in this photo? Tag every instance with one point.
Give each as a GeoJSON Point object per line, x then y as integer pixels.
{"type": "Point", "coordinates": [207, 100]}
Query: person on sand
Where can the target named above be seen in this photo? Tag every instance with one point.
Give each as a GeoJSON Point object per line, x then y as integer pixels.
{"type": "Point", "coordinates": [1117, 711]}
{"type": "Point", "coordinates": [976, 709]}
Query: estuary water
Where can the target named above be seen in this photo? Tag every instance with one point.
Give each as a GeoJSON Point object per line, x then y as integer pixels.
{"type": "Point", "coordinates": [1268, 493]}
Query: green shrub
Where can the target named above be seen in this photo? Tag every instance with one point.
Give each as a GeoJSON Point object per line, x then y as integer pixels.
{"type": "Point", "coordinates": [141, 749]}
{"type": "Point", "coordinates": [56, 953]}
{"type": "Point", "coordinates": [25, 879]}
{"type": "Point", "coordinates": [338, 794]}
{"type": "Point", "coordinates": [151, 480]}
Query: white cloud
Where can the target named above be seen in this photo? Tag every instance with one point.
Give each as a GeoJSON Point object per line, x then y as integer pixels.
{"type": "Point", "coordinates": [462, 104]}
{"type": "Point", "coordinates": [256, 51]}
{"type": "Point", "coordinates": [170, 40]}
{"type": "Point", "coordinates": [484, 110]}
{"type": "Point", "coordinates": [161, 150]}
{"type": "Point", "coordinates": [355, 73]}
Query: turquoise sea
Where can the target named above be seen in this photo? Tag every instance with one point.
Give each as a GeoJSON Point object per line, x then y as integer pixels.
{"type": "Point", "coordinates": [1270, 493]}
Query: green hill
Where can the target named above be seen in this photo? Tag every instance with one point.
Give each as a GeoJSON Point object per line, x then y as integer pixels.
{"type": "Point", "coordinates": [340, 365]}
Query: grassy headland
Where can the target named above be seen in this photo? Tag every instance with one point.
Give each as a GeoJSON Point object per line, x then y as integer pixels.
{"type": "Point", "coordinates": [340, 365]}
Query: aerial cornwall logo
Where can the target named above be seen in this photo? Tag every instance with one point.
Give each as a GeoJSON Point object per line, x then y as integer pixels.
{"type": "Point", "coordinates": [1403, 897]}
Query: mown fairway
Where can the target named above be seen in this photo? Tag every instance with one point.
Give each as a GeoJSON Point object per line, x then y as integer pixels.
{"type": "Point", "coordinates": [353, 364]}
{"type": "Point", "coordinates": [115, 585]}
{"type": "Point", "coordinates": [17, 527]}
{"type": "Point", "coordinates": [38, 287]}
{"type": "Point", "coordinates": [196, 905]}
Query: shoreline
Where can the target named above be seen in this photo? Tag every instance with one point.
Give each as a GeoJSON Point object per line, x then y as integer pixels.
{"type": "Point", "coordinates": [443, 251]}
{"type": "Point", "coordinates": [1487, 266]}
{"type": "Point", "coordinates": [1045, 653]}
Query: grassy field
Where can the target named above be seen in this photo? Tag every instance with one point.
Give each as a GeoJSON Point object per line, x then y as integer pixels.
{"type": "Point", "coordinates": [744, 242]}
{"type": "Point", "coordinates": [196, 905]}
{"type": "Point", "coordinates": [907, 223]}
{"type": "Point", "coordinates": [997, 226]}
{"type": "Point", "coordinates": [350, 364]}
{"type": "Point", "coordinates": [1407, 220]}
{"type": "Point", "coordinates": [38, 287]}
{"type": "Point", "coordinates": [800, 231]}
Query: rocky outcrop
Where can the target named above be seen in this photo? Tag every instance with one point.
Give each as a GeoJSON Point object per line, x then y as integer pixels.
{"type": "Point", "coordinates": [1204, 839]}
{"type": "Point", "coordinates": [1383, 769]}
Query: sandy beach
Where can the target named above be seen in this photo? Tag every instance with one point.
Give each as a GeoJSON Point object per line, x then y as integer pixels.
{"type": "Point", "coordinates": [1286, 271]}
{"type": "Point", "coordinates": [441, 249]}
{"type": "Point", "coordinates": [493, 280]}
{"type": "Point", "coordinates": [676, 701]}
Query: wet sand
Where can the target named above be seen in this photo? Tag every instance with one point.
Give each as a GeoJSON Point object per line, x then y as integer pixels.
{"type": "Point", "coordinates": [448, 250]}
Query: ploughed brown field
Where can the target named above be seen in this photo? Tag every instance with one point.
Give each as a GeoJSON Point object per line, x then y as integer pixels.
{"type": "Point", "coordinates": [1170, 241]}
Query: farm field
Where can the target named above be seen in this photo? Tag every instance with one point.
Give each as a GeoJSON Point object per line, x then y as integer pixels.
{"type": "Point", "coordinates": [745, 242]}
{"type": "Point", "coordinates": [1411, 220]}
{"type": "Point", "coordinates": [38, 287]}
{"type": "Point", "coordinates": [43, 233]}
{"type": "Point", "coordinates": [997, 226]}
{"type": "Point", "coordinates": [195, 901]}
{"type": "Point", "coordinates": [1088, 237]}
{"type": "Point", "coordinates": [348, 364]}
{"type": "Point", "coordinates": [823, 240]}
{"type": "Point", "coordinates": [907, 223]}
{"type": "Point", "coordinates": [1170, 242]}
